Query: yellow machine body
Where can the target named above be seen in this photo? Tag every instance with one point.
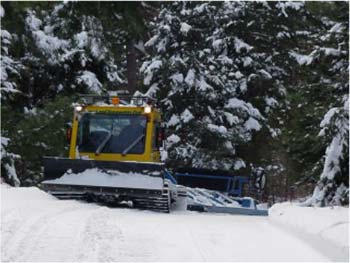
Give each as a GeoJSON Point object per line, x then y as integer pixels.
{"type": "Point", "coordinates": [151, 152]}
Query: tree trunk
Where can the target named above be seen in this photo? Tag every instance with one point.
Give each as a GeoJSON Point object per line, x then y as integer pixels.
{"type": "Point", "coordinates": [131, 66]}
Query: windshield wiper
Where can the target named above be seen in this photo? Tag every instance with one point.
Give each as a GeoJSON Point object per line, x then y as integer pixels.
{"type": "Point", "coordinates": [132, 145]}
{"type": "Point", "coordinates": [103, 144]}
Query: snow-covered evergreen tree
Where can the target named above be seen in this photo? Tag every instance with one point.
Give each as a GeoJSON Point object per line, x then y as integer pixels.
{"type": "Point", "coordinates": [333, 186]}
{"type": "Point", "coordinates": [217, 67]}
{"type": "Point", "coordinates": [10, 67]}
{"type": "Point", "coordinates": [9, 74]}
{"type": "Point", "coordinates": [332, 63]}
{"type": "Point", "coordinates": [74, 47]}
{"type": "Point", "coordinates": [54, 50]}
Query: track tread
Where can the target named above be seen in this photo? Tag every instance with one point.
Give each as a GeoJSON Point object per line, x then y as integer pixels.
{"type": "Point", "coordinates": [159, 204]}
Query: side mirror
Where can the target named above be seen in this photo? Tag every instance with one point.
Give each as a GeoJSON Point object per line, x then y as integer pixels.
{"type": "Point", "coordinates": [69, 133]}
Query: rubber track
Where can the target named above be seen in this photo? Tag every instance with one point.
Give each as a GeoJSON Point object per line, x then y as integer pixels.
{"type": "Point", "coordinates": [161, 204]}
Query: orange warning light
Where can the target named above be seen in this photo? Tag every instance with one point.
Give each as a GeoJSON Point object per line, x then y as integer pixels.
{"type": "Point", "coordinates": [115, 100]}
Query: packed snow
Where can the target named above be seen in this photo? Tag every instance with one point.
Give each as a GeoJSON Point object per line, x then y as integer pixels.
{"type": "Point", "coordinates": [241, 45]}
{"type": "Point", "coordinates": [333, 155]}
{"type": "Point", "coordinates": [252, 124]}
{"type": "Point", "coordinates": [327, 228]}
{"type": "Point", "coordinates": [37, 227]}
{"type": "Point", "coordinates": [186, 116]}
{"type": "Point", "coordinates": [247, 61]}
{"type": "Point", "coordinates": [217, 44]}
{"type": "Point", "coordinates": [185, 28]}
{"type": "Point", "coordinates": [173, 139]}
{"type": "Point", "coordinates": [215, 128]}
{"type": "Point", "coordinates": [336, 124]}
{"type": "Point", "coordinates": [239, 163]}
{"type": "Point", "coordinates": [337, 28]}
{"type": "Point", "coordinates": [96, 177]}
{"type": "Point", "coordinates": [44, 38]}
{"type": "Point", "coordinates": [231, 118]}
{"type": "Point", "coordinates": [4, 143]}
{"type": "Point", "coordinates": [81, 39]}
{"type": "Point", "coordinates": [302, 59]}
{"type": "Point", "coordinates": [178, 77]}
{"type": "Point", "coordinates": [241, 105]}
{"type": "Point", "coordinates": [90, 80]}
{"type": "Point", "coordinates": [148, 68]}
{"type": "Point", "coordinates": [2, 11]}
{"type": "Point", "coordinates": [190, 77]}
{"type": "Point", "coordinates": [9, 165]}
{"type": "Point", "coordinates": [283, 6]}
{"type": "Point", "coordinates": [174, 120]}
{"type": "Point", "coordinates": [152, 41]}
{"type": "Point", "coordinates": [203, 85]}
{"type": "Point", "coordinates": [331, 51]}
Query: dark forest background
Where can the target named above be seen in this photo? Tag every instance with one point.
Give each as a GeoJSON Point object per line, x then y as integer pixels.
{"type": "Point", "coordinates": [241, 84]}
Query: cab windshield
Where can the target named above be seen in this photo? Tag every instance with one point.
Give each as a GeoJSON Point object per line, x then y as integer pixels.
{"type": "Point", "coordinates": [112, 133]}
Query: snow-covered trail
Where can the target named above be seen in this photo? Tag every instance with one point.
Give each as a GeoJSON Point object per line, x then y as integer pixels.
{"type": "Point", "coordinates": [38, 227]}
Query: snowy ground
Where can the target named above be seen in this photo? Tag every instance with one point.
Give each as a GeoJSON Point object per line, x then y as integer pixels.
{"type": "Point", "coordinates": [38, 227]}
{"type": "Point", "coordinates": [327, 229]}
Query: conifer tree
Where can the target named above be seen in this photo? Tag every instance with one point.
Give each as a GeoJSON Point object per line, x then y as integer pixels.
{"type": "Point", "coordinates": [53, 51]}
{"type": "Point", "coordinates": [218, 77]}
{"type": "Point", "coordinates": [331, 62]}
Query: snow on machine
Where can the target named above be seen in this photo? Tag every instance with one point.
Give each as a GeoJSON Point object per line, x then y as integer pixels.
{"type": "Point", "coordinates": [114, 157]}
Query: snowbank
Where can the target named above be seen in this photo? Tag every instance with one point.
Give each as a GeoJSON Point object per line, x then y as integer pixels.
{"type": "Point", "coordinates": [18, 196]}
{"type": "Point", "coordinates": [327, 228]}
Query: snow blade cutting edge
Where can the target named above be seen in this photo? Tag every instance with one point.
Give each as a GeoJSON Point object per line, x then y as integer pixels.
{"type": "Point", "coordinates": [228, 210]}
{"type": "Point", "coordinates": [141, 183]}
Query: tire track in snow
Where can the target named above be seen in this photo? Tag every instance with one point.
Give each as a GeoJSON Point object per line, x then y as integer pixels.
{"type": "Point", "coordinates": [110, 234]}
{"type": "Point", "coordinates": [193, 239]}
{"type": "Point", "coordinates": [26, 237]}
{"type": "Point", "coordinates": [11, 220]}
{"type": "Point", "coordinates": [101, 236]}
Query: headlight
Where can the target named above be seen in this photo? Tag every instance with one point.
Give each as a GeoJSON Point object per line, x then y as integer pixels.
{"type": "Point", "coordinates": [78, 108]}
{"type": "Point", "coordinates": [147, 109]}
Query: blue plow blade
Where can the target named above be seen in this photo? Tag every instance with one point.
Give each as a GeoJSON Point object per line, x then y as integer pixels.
{"type": "Point", "coordinates": [204, 200]}
{"type": "Point", "coordinates": [212, 201]}
{"type": "Point", "coordinates": [228, 210]}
